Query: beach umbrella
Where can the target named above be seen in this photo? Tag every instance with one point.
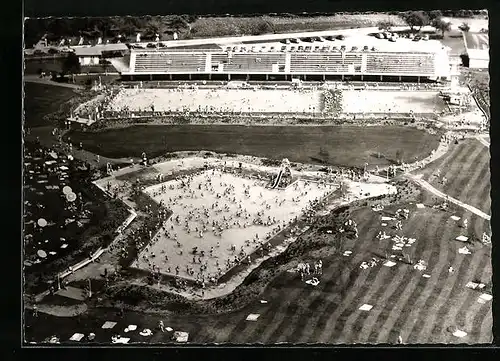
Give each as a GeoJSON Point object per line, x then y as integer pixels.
{"type": "Point", "coordinates": [71, 197]}
{"type": "Point", "coordinates": [41, 253]}
{"type": "Point", "coordinates": [42, 222]}
{"type": "Point", "coordinates": [67, 190]}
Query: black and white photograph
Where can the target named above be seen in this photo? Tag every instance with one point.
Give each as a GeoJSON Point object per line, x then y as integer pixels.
{"type": "Point", "coordinates": [297, 179]}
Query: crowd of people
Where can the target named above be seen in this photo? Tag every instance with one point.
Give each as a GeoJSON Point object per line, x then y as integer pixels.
{"type": "Point", "coordinates": [223, 209]}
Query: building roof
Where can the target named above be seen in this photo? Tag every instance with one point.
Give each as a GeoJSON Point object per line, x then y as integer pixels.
{"type": "Point", "coordinates": [97, 50]}
{"type": "Point", "coordinates": [401, 45]}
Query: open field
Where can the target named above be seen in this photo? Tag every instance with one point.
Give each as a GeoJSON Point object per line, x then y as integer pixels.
{"type": "Point", "coordinates": [274, 101]}
{"type": "Point", "coordinates": [331, 144]}
{"type": "Point", "coordinates": [248, 214]}
{"type": "Point", "coordinates": [232, 26]}
{"type": "Point", "coordinates": [466, 168]}
{"type": "Point", "coordinates": [41, 99]}
{"type": "Point", "coordinates": [421, 310]}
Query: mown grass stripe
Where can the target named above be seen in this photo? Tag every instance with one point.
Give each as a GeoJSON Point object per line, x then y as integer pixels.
{"type": "Point", "coordinates": [437, 267]}
{"type": "Point", "coordinates": [414, 302]}
{"type": "Point", "coordinates": [333, 287]}
{"type": "Point", "coordinates": [330, 272]}
{"type": "Point", "coordinates": [392, 291]}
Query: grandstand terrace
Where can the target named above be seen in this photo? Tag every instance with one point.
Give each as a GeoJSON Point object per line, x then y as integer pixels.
{"type": "Point", "coordinates": [354, 58]}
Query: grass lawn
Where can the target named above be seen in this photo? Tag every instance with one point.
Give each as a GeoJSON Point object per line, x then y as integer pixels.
{"type": "Point", "coordinates": [466, 168]}
{"type": "Point", "coordinates": [336, 145]}
{"type": "Point", "coordinates": [234, 26]}
{"type": "Point", "coordinates": [42, 99]}
{"type": "Point", "coordinates": [405, 303]}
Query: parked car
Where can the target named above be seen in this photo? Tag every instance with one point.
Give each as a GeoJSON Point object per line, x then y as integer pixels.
{"type": "Point", "coordinates": [341, 37]}
{"type": "Point", "coordinates": [417, 38]}
{"type": "Point", "coordinates": [425, 37]}
{"type": "Point", "coordinates": [379, 35]}
{"type": "Point", "coordinates": [294, 41]}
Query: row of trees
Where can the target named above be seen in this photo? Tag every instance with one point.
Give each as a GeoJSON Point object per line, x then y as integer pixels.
{"type": "Point", "coordinates": [149, 26]}
{"type": "Point", "coordinates": [418, 19]}
{"type": "Point", "coordinates": [93, 28]}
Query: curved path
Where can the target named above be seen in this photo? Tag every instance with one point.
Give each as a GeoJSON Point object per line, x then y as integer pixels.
{"type": "Point", "coordinates": [483, 140]}
{"type": "Point", "coordinates": [417, 179]}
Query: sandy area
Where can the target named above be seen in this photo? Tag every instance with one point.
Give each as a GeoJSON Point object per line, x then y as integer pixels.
{"type": "Point", "coordinates": [273, 207]}
{"type": "Point", "coordinates": [269, 101]}
{"type": "Point", "coordinates": [373, 101]}
{"type": "Point", "coordinates": [219, 100]}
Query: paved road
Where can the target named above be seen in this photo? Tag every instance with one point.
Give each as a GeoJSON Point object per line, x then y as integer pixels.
{"type": "Point", "coordinates": [268, 37]}
{"type": "Point", "coordinates": [417, 179]}
{"type": "Point", "coordinates": [483, 140]}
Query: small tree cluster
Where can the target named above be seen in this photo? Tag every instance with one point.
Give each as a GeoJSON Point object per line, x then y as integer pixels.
{"type": "Point", "coordinates": [416, 19]}
{"type": "Point", "coordinates": [385, 25]}
{"type": "Point", "coordinates": [464, 27]}
{"type": "Point", "coordinates": [441, 25]}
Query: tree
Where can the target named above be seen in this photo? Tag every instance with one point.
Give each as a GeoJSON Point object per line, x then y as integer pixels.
{"type": "Point", "coordinates": [441, 25]}
{"type": "Point", "coordinates": [416, 18]}
{"type": "Point", "coordinates": [464, 27]}
{"type": "Point", "coordinates": [435, 14]}
{"type": "Point", "coordinates": [71, 65]}
{"type": "Point", "coordinates": [178, 22]}
{"type": "Point", "coordinates": [399, 156]}
{"type": "Point", "coordinates": [385, 25]}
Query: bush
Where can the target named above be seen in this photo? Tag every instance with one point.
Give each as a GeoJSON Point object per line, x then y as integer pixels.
{"type": "Point", "coordinates": [464, 27]}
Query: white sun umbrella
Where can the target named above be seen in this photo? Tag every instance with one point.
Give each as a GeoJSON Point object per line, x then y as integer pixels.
{"type": "Point", "coordinates": [42, 222]}
{"type": "Point", "coordinates": [41, 253]}
{"type": "Point", "coordinates": [67, 190]}
{"type": "Point", "coordinates": [71, 197]}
